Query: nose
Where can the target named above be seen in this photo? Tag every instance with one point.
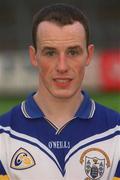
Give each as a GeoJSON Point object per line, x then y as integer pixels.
{"type": "Point", "coordinates": [62, 64]}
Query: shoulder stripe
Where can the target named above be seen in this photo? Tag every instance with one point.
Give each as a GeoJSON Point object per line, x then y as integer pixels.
{"type": "Point", "coordinates": [33, 141]}
{"type": "Point", "coordinates": [94, 139]}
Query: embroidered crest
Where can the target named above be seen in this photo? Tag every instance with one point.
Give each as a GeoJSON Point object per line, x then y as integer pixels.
{"type": "Point", "coordinates": [95, 161]}
{"type": "Point", "coordinates": [22, 159]}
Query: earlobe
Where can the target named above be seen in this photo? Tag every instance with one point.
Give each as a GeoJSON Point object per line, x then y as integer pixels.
{"type": "Point", "coordinates": [90, 53]}
{"type": "Point", "coordinates": [32, 54]}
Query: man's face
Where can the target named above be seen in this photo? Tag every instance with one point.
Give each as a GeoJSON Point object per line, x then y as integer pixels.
{"type": "Point", "coordinates": [61, 58]}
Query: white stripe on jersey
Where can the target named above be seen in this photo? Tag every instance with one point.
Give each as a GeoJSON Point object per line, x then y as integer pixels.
{"type": "Point", "coordinates": [32, 140]}
{"type": "Point", "coordinates": [84, 142]}
{"type": "Point", "coordinates": [91, 139]}
{"type": "Point", "coordinates": [92, 109]}
{"type": "Point", "coordinates": [24, 110]}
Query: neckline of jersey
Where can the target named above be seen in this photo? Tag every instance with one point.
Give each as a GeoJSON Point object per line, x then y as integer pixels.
{"type": "Point", "coordinates": [31, 110]}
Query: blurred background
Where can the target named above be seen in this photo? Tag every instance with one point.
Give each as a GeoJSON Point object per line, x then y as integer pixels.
{"type": "Point", "coordinates": [17, 76]}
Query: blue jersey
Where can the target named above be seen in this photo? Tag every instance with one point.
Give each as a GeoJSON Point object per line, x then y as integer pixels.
{"type": "Point", "coordinates": [85, 148]}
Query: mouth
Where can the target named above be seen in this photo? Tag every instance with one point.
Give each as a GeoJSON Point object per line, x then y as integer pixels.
{"type": "Point", "coordinates": [62, 82]}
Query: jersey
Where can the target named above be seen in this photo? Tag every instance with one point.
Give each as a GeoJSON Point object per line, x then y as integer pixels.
{"type": "Point", "coordinates": [85, 148]}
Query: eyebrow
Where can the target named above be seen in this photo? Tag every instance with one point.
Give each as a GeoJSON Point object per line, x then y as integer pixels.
{"type": "Point", "coordinates": [46, 48]}
{"type": "Point", "coordinates": [75, 47]}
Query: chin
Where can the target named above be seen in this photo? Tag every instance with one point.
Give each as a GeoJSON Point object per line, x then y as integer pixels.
{"type": "Point", "coordinates": [63, 95]}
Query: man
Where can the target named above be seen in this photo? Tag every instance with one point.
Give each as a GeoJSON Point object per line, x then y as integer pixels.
{"type": "Point", "coordinates": [59, 133]}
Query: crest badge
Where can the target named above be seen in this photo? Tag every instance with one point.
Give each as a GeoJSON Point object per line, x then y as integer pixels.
{"type": "Point", "coordinates": [22, 159]}
{"type": "Point", "coordinates": [95, 162]}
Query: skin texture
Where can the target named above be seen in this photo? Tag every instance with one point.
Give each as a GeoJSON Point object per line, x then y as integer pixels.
{"type": "Point", "coordinates": [61, 58]}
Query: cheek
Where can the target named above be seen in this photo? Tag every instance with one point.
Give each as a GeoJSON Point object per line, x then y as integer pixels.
{"type": "Point", "coordinates": [79, 67]}
{"type": "Point", "coordinates": [80, 71]}
{"type": "Point", "coordinates": [42, 64]}
{"type": "Point", "coordinates": [44, 68]}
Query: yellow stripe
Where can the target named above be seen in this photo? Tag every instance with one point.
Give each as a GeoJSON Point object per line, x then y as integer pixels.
{"type": "Point", "coordinates": [5, 177]}
{"type": "Point", "coordinates": [116, 178]}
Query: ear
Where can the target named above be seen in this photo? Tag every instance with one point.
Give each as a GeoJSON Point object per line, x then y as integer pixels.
{"type": "Point", "coordinates": [32, 55]}
{"type": "Point", "coordinates": [90, 53]}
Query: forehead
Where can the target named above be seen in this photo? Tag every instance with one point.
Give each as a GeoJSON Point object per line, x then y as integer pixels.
{"type": "Point", "coordinates": [49, 33]}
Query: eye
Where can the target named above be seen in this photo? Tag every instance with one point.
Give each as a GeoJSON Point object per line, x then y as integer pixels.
{"type": "Point", "coordinates": [50, 53]}
{"type": "Point", "coordinates": [73, 52]}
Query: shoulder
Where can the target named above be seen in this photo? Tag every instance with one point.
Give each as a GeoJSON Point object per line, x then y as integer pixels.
{"type": "Point", "coordinates": [6, 118]}
{"type": "Point", "coordinates": [107, 114]}
{"type": "Point", "coordinates": [105, 111]}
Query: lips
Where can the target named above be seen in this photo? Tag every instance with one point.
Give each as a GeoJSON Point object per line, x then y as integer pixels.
{"type": "Point", "coordinates": [62, 82]}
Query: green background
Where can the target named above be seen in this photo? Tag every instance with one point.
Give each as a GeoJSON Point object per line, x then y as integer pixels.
{"type": "Point", "coordinates": [111, 100]}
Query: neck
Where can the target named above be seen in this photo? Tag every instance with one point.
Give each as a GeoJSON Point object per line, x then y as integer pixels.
{"type": "Point", "coordinates": [58, 110]}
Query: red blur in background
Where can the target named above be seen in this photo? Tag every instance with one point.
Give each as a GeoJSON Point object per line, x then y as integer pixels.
{"type": "Point", "coordinates": [110, 70]}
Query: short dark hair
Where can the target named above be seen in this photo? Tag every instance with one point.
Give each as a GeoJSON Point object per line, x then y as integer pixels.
{"type": "Point", "coordinates": [61, 14]}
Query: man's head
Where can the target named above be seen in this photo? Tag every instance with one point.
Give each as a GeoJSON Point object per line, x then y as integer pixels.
{"type": "Point", "coordinates": [61, 50]}
{"type": "Point", "coordinates": [60, 14]}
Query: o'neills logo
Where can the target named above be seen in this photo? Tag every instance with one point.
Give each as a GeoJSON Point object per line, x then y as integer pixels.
{"type": "Point", "coordinates": [59, 145]}
{"type": "Point", "coordinates": [95, 162]}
